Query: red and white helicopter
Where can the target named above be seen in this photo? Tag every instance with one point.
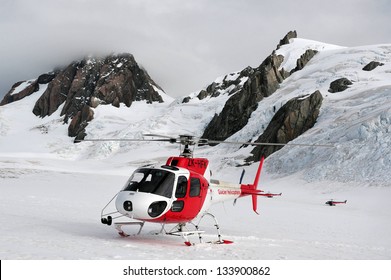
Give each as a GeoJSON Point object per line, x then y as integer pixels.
{"type": "Point", "coordinates": [332, 202]}
{"type": "Point", "coordinates": [179, 192]}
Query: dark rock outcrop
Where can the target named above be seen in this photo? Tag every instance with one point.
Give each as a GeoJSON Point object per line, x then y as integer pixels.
{"type": "Point", "coordinates": [186, 99]}
{"type": "Point", "coordinates": [259, 82]}
{"type": "Point", "coordinates": [303, 60]}
{"type": "Point", "coordinates": [231, 84]}
{"type": "Point", "coordinates": [112, 80]}
{"type": "Point", "coordinates": [288, 36]}
{"type": "Point", "coordinates": [56, 92]}
{"type": "Point", "coordinates": [86, 84]}
{"type": "Point", "coordinates": [291, 120]}
{"type": "Point", "coordinates": [339, 85]}
{"type": "Point", "coordinates": [372, 65]}
{"type": "Point", "coordinates": [79, 122]}
{"type": "Point", "coordinates": [28, 88]}
{"type": "Point", "coordinates": [46, 78]}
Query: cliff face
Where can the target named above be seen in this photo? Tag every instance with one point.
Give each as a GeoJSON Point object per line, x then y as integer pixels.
{"type": "Point", "coordinates": [84, 85]}
{"type": "Point", "coordinates": [259, 83]}
{"type": "Point", "coordinates": [290, 121]}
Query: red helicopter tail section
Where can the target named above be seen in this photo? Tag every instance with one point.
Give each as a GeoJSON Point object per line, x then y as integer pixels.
{"type": "Point", "coordinates": [255, 185]}
{"type": "Point", "coordinates": [252, 189]}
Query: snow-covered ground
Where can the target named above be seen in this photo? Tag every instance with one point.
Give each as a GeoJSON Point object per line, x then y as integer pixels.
{"type": "Point", "coordinates": [49, 214]}
{"type": "Point", "coordinates": [52, 190]}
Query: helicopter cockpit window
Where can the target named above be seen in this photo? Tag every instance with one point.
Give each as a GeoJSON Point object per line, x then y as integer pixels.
{"type": "Point", "coordinates": [181, 187]}
{"type": "Point", "coordinates": [156, 181]}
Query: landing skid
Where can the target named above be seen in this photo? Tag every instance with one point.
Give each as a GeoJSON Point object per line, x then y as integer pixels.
{"type": "Point", "coordinates": [178, 230]}
{"type": "Point", "coordinates": [181, 230]}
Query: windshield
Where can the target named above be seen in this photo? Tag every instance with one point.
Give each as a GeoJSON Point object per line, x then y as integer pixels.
{"type": "Point", "coordinates": [156, 181]}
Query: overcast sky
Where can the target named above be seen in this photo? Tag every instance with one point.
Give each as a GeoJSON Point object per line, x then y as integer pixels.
{"type": "Point", "coordinates": [183, 44]}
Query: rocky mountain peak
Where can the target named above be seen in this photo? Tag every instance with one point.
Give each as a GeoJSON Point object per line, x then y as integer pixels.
{"type": "Point", "coordinates": [87, 83]}
{"type": "Point", "coordinates": [92, 81]}
{"type": "Point", "coordinates": [247, 88]}
{"type": "Point", "coordinates": [287, 37]}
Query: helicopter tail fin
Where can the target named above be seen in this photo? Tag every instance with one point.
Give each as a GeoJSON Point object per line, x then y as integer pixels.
{"type": "Point", "coordinates": [252, 189]}
{"type": "Point", "coordinates": [258, 174]}
{"type": "Point", "coordinates": [255, 185]}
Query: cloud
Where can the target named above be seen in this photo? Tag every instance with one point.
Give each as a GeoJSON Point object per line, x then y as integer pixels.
{"type": "Point", "coordinates": [184, 45]}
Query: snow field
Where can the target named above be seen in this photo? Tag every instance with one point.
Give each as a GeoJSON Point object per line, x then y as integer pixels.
{"type": "Point", "coordinates": [52, 190]}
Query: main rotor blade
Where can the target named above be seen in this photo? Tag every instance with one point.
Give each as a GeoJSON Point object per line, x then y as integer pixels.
{"type": "Point", "coordinates": [206, 141]}
{"type": "Point", "coordinates": [168, 138]}
{"type": "Point", "coordinates": [201, 141]}
{"type": "Point", "coordinates": [158, 135]}
{"type": "Point", "coordinates": [123, 140]}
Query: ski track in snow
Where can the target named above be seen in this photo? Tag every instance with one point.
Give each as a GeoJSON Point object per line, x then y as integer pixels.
{"type": "Point", "coordinates": [52, 191]}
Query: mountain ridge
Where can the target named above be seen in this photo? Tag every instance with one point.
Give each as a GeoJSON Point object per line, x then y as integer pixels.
{"type": "Point", "coordinates": [84, 85]}
{"type": "Point", "coordinates": [355, 120]}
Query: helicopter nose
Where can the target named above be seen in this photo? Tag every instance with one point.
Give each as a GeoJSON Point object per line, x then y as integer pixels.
{"type": "Point", "coordinates": [139, 205]}
{"type": "Point", "coordinates": [154, 209]}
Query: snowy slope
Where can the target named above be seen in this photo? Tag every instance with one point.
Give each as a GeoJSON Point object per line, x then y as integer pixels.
{"type": "Point", "coordinates": [52, 190]}
{"type": "Point", "coordinates": [357, 120]}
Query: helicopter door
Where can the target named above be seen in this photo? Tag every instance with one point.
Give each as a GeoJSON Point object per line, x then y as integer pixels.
{"type": "Point", "coordinates": [196, 195]}
{"type": "Point", "coordinates": [180, 193]}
